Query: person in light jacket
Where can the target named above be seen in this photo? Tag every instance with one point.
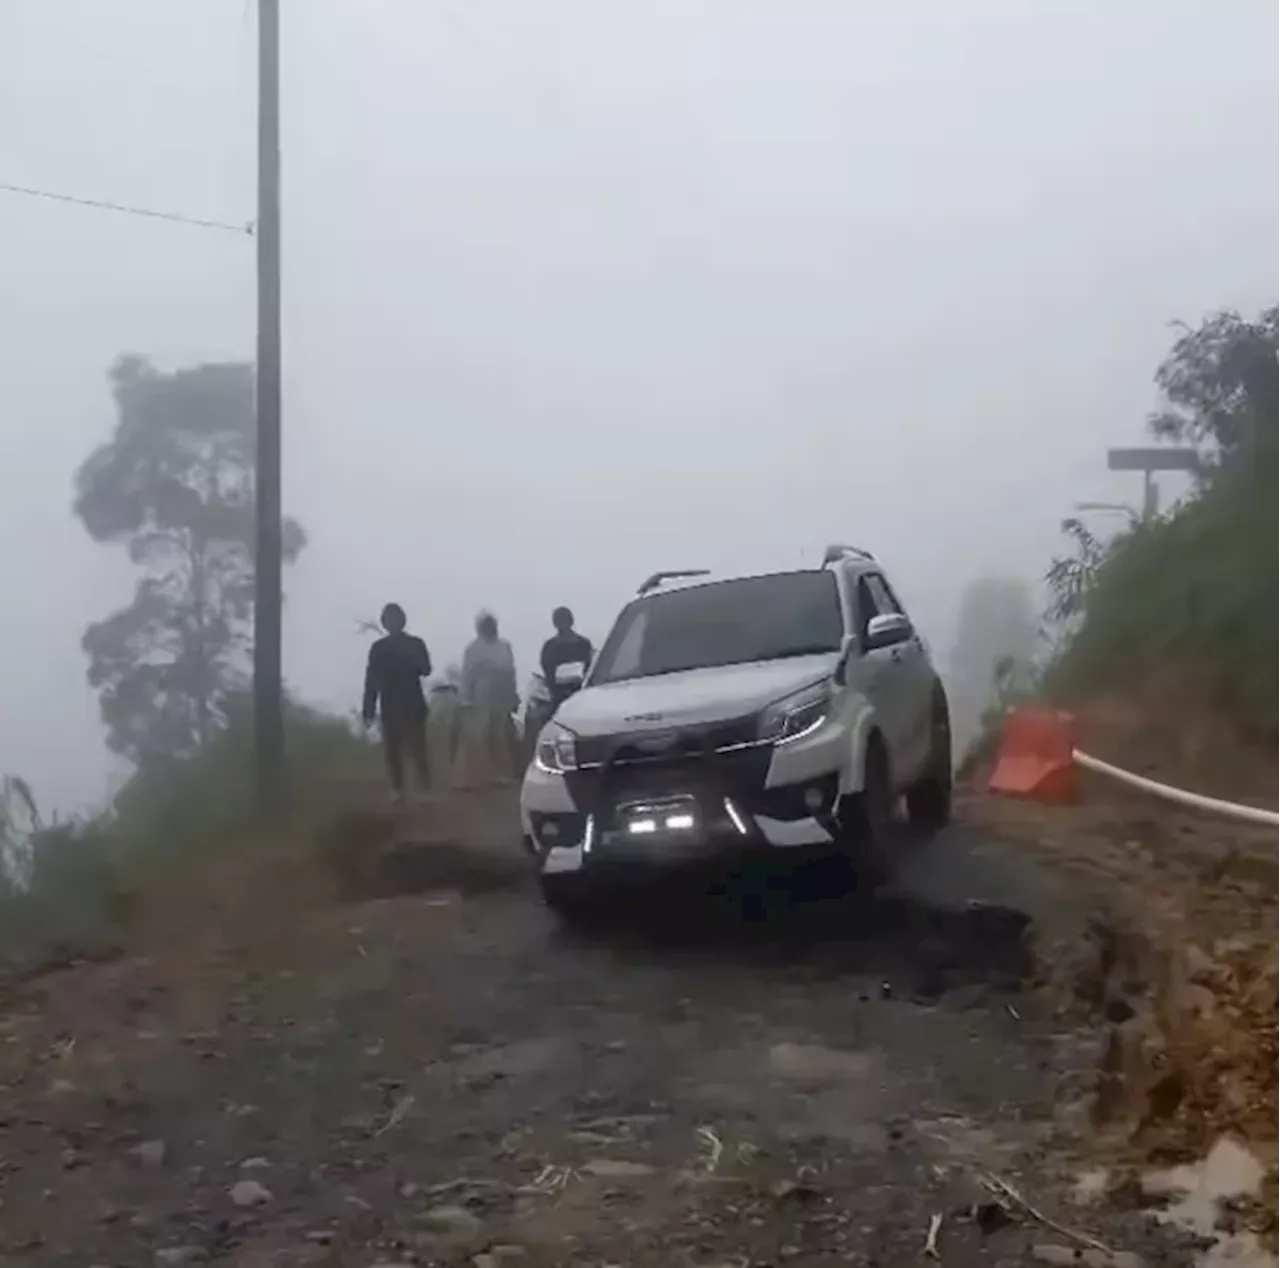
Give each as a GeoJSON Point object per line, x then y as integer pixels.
{"type": "Point", "coordinates": [490, 697]}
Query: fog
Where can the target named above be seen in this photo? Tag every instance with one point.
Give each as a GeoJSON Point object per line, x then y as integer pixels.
{"type": "Point", "coordinates": [573, 291]}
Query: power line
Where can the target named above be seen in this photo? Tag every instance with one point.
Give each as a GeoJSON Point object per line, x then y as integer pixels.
{"type": "Point", "coordinates": [105, 205]}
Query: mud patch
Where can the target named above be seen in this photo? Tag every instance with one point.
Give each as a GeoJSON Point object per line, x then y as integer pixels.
{"type": "Point", "coordinates": [909, 947]}
{"type": "Point", "coordinates": [817, 1064]}
{"type": "Point", "coordinates": [1200, 1201]}
{"type": "Point", "coordinates": [1199, 1062]}
{"type": "Point", "coordinates": [350, 846]}
{"type": "Point", "coordinates": [410, 867]}
{"type": "Point", "coordinates": [965, 1142]}
{"type": "Point", "coordinates": [979, 944]}
{"type": "Point", "coordinates": [1099, 971]}
{"type": "Point", "coordinates": [518, 1059]}
{"type": "Point", "coordinates": [371, 855]}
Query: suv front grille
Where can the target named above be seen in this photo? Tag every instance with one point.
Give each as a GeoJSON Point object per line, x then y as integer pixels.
{"type": "Point", "coordinates": [708, 777]}
{"type": "Point", "coordinates": [664, 745]}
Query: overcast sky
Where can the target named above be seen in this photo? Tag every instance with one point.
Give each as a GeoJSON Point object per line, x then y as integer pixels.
{"type": "Point", "coordinates": [575, 290]}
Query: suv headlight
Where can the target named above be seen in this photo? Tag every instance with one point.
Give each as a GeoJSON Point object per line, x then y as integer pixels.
{"type": "Point", "coordinates": [796, 715]}
{"type": "Point", "coordinates": [557, 750]}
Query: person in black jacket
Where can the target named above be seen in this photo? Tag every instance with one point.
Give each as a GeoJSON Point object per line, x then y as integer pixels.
{"type": "Point", "coordinates": [565, 647]}
{"type": "Point", "coordinates": [393, 688]}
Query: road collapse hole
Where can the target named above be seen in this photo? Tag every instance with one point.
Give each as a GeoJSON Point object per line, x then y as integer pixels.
{"type": "Point", "coordinates": [945, 948]}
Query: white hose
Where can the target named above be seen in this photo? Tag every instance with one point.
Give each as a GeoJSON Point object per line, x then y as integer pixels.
{"type": "Point", "coordinates": [1229, 809]}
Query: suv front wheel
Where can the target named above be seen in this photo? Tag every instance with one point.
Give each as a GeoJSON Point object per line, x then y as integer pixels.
{"type": "Point", "coordinates": [569, 897]}
{"type": "Point", "coordinates": [866, 819]}
{"type": "Point", "coordinates": [929, 800]}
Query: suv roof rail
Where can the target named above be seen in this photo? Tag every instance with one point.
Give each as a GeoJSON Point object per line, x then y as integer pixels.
{"type": "Point", "coordinates": [672, 574]}
{"type": "Point", "coordinates": [838, 551]}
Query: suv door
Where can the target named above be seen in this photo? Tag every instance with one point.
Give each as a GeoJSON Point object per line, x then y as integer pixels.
{"type": "Point", "coordinates": [879, 674]}
{"type": "Point", "coordinates": [912, 685]}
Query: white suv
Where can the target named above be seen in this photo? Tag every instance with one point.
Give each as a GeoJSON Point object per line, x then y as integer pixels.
{"type": "Point", "coordinates": [786, 712]}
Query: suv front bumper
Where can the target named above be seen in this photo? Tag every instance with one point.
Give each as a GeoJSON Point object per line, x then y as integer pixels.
{"type": "Point", "coordinates": [758, 799]}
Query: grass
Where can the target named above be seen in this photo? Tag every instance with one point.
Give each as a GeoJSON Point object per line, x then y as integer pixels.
{"type": "Point", "coordinates": [79, 890]}
{"type": "Point", "coordinates": [172, 809]}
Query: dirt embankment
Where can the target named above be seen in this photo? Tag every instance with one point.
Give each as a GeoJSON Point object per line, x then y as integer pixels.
{"type": "Point", "coordinates": [1183, 964]}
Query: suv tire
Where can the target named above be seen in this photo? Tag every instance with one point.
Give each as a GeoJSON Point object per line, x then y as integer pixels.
{"type": "Point", "coordinates": [568, 897]}
{"type": "Point", "coordinates": [867, 818]}
{"type": "Point", "coordinates": [929, 801]}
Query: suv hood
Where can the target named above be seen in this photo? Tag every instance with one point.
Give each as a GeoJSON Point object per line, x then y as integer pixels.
{"type": "Point", "coordinates": [692, 696]}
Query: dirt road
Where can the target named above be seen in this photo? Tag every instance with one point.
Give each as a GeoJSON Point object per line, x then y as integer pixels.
{"type": "Point", "coordinates": [448, 1078]}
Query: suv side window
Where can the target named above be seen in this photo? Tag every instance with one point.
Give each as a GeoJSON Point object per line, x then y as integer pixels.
{"type": "Point", "coordinates": [865, 605]}
{"type": "Point", "coordinates": [885, 600]}
{"type": "Point", "coordinates": [626, 660]}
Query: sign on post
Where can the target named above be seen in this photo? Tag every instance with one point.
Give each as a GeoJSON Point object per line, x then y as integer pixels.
{"type": "Point", "coordinates": [1159, 458]}
{"type": "Point", "coordinates": [1149, 461]}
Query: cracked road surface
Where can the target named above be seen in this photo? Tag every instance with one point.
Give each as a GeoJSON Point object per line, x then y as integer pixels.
{"type": "Point", "coordinates": [449, 1078]}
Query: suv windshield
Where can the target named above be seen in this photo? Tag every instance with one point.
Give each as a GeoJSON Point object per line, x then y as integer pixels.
{"type": "Point", "coordinates": [723, 623]}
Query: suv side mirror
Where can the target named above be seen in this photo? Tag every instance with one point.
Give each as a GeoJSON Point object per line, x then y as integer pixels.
{"type": "Point", "coordinates": [888, 630]}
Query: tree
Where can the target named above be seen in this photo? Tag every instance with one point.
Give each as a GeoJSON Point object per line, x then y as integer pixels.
{"type": "Point", "coordinates": [174, 484]}
{"type": "Point", "coordinates": [19, 822]}
{"type": "Point", "coordinates": [1219, 384]}
{"type": "Point", "coordinates": [1070, 577]}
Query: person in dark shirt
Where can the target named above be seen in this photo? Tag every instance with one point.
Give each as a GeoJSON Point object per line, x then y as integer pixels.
{"type": "Point", "coordinates": [393, 689]}
{"type": "Point", "coordinates": [564, 648]}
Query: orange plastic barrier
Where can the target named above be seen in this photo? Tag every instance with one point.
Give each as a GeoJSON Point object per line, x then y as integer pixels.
{"type": "Point", "coordinates": [1036, 757]}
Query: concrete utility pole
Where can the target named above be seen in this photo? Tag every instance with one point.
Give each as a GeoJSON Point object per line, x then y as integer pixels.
{"type": "Point", "coordinates": [1149, 461]}
{"type": "Point", "coordinates": [268, 681]}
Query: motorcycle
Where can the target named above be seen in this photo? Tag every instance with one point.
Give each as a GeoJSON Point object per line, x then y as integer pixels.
{"type": "Point", "coordinates": [535, 710]}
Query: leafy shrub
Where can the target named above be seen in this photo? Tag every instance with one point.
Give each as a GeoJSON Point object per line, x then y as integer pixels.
{"type": "Point", "coordinates": [171, 807]}
{"type": "Point", "coordinates": [1193, 592]}
{"type": "Point", "coordinates": [1196, 590]}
